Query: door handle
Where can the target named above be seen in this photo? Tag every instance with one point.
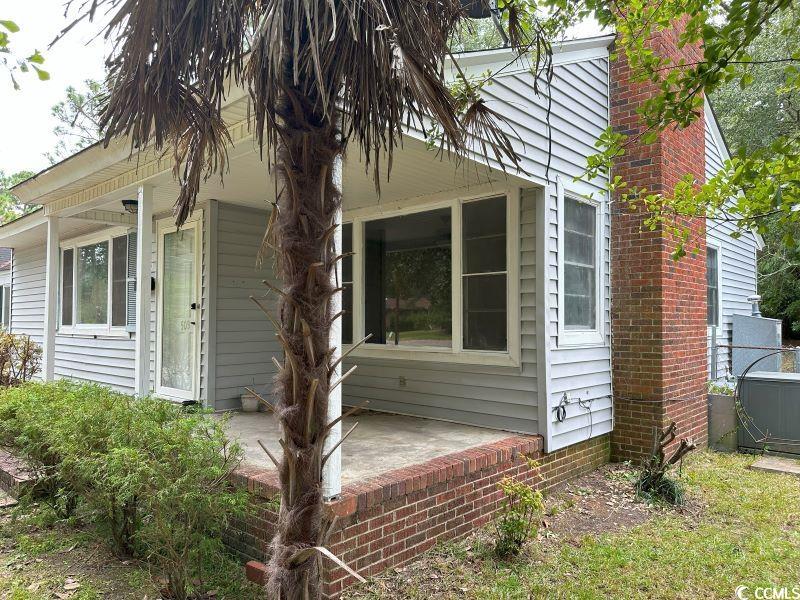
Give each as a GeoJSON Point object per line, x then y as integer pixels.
{"type": "Point", "coordinates": [193, 306]}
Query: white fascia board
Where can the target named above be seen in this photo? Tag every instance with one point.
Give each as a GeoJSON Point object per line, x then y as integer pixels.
{"type": "Point", "coordinates": [564, 52]}
{"type": "Point", "coordinates": [22, 224]}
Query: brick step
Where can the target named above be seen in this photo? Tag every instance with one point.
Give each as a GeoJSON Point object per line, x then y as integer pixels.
{"type": "Point", "coordinates": [15, 475]}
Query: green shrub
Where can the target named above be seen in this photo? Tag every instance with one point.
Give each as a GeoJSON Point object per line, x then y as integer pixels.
{"type": "Point", "coordinates": [150, 474]}
{"type": "Point", "coordinates": [518, 522]}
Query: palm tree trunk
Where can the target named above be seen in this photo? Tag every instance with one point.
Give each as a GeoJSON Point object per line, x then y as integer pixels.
{"type": "Point", "coordinates": [305, 221]}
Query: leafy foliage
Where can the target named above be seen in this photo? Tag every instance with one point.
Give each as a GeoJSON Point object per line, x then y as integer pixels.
{"type": "Point", "coordinates": [522, 509]}
{"type": "Point", "coordinates": [758, 182]}
{"type": "Point", "coordinates": [752, 118]}
{"type": "Point", "coordinates": [754, 115]}
{"type": "Point", "coordinates": [13, 63]}
{"type": "Point", "coordinates": [151, 475]}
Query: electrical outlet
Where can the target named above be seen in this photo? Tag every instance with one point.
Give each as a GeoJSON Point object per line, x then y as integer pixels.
{"type": "Point", "coordinates": [402, 381]}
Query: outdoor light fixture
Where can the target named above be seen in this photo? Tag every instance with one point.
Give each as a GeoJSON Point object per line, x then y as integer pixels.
{"type": "Point", "coordinates": [484, 9]}
{"type": "Point", "coordinates": [131, 206]}
{"type": "Point", "coordinates": [478, 9]}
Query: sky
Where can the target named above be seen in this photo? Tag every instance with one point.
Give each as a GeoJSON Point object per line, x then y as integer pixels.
{"type": "Point", "coordinates": [26, 125]}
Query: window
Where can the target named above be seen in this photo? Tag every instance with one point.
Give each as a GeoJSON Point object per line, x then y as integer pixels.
{"type": "Point", "coordinates": [580, 269]}
{"type": "Point", "coordinates": [67, 265]}
{"type": "Point", "coordinates": [712, 280]}
{"type": "Point", "coordinates": [434, 281]}
{"type": "Point", "coordinates": [580, 252]}
{"type": "Point", "coordinates": [347, 284]}
{"type": "Point", "coordinates": [119, 281]}
{"type": "Point", "coordinates": [484, 275]}
{"type": "Point", "coordinates": [5, 306]}
{"type": "Point", "coordinates": [408, 279]}
{"type": "Point", "coordinates": [95, 291]}
{"type": "Point", "coordinates": [92, 284]}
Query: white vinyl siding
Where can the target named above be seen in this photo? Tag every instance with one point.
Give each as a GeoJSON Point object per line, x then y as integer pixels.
{"type": "Point", "coordinates": [583, 373]}
{"type": "Point", "coordinates": [737, 258]}
{"type": "Point", "coordinates": [27, 292]}
{"type": "Point", "coordinates": [245, 339]}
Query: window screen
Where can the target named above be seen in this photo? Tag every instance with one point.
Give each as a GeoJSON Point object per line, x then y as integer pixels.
{"type": "Point", "coordinates": [712, 279]}
{"type": "Point", "coordinates": [580, 268]}
{"type": "Point", "coordinates": [67, 287]}
{"type": "Point", "coordinates": [6, 306]}
{"type": "Point", "coordinates": [119, 280]}
{"type": "Point", "coordinates": [484, 275]}
{"type": "Point", "coordinates": [347, 284]}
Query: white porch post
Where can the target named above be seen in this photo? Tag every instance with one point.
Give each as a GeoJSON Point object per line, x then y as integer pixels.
{"type": "Point", "coordinates": [332, 472]}
{"type": "Point", "coordinates": [51, 300]}
{"type": "Point", "coordinates": [144, 249]}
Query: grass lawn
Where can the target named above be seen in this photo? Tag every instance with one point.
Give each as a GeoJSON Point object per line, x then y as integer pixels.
{"type": "Point", "coordinates": [43, 558]}
{"type": "Point", "coordinates": [739, 527]}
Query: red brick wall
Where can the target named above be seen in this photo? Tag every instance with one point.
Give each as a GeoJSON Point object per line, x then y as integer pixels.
{"type": "Point", "coordinates": [658, 305]}
{"type": "Point", "coordinates": [393, 518]}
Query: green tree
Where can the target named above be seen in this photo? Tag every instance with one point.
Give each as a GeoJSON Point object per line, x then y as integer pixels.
{"type": "Point", "coordinates": [10, 207]}
{"type": "Point", "coordinates": [752, 118]}
{"type": "Point", "coordinates": [78, 117]}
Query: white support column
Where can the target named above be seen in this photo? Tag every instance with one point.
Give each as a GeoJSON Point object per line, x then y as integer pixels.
{"type": "Point", "coordinates": [144, 252]}
{"type": "Point", "coordinates": [332, 472]}
{"type": "Point", "coordinates": [50, 299]}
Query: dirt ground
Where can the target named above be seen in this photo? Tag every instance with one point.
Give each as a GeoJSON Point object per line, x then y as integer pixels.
{"type": "Point", "coordinates": [602, 501]}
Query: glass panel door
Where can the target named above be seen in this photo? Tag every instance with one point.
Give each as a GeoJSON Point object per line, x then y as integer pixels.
{"type": "Point", "coordinates": [178, 313]}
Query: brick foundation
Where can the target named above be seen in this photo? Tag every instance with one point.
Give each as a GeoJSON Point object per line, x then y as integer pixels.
{"type": "Point", "coordinates": [658, 305]}
{"type": "Point", "coordinates": [391, 519]}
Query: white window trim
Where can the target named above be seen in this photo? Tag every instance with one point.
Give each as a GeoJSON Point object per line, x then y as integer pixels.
{"type": "Point", "coordinates": [718, 327]}
{"type": "Point", "coordinates": [457, 353]}
{"type": "Point", "coordinates": [84, 330]}
{"type": "Point", "coordinates": [571, 338]}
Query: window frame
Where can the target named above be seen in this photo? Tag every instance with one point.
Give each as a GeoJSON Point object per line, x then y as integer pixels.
{"type": "Point", "coordinates": [718, 326]}
{"type": "Point", "coordinates": [456, 353]}
{"type": "Point", "coordinates": [92, 330]}
{"type": "Point", "coordinates": [5, 306]}
{"type": "Point", "coordinates": [573, 338]}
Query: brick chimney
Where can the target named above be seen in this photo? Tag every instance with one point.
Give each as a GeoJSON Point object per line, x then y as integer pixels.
{"type": "Point", "coordinates": [658, 305]}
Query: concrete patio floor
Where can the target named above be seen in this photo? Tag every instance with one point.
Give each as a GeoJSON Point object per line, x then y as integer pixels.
{"type": "Point", "coordinates": [381, 442]}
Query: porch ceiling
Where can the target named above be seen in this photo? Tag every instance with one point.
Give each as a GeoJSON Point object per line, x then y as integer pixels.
{"type": "Point", "coordinates": [416, 171]}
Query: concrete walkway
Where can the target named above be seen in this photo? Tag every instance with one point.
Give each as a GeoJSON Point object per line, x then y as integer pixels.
{"type": "Point", "coordinates": [777, 464]}
{"type": "Point", "coordinates": [380, 443]}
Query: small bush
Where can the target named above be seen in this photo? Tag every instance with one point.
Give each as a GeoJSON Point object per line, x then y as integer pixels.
{"type": "Point", "coordinates": [519, 518]}
{"type": "Point", "coordinates": [150, 474]}
{"type": "Point", "coordinates": [20, 358]}
{"type": "Point", "coordinates": [654, 481]}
